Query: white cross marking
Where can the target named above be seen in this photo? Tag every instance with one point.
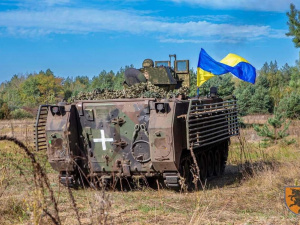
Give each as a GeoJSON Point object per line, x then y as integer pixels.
{"type": "Point", "coordinates": [103, 140]}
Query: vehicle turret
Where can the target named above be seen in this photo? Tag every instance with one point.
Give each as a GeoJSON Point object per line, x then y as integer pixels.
{"type": "Point", "coordinates": [160, 73]}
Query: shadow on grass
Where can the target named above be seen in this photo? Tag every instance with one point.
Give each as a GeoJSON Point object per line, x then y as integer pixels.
{"type": "Point", "coordinates": [235, 175]}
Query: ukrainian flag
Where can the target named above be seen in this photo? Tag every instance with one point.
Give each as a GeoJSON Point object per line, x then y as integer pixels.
{"type": "Point", "coordinates": [238, 66]}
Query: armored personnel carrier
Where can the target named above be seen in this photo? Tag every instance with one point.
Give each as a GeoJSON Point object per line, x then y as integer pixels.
{"type": "Point", "coordinates": [167, 136]}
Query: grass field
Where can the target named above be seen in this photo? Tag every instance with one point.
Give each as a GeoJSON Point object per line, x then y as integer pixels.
{"type": "Point", "coordinates": [250, 192]}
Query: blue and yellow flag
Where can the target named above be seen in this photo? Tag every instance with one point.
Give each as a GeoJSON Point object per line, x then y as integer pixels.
{"type": "Point", "coordinates": [238, 66]}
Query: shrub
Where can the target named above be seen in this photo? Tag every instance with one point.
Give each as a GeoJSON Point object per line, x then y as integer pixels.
{"type": "Point", "coordinates": [4, 111]}
{"type": "Point", "coordinates": [20, 114]}
{"type": "Point", "coordinates": [272, 130]}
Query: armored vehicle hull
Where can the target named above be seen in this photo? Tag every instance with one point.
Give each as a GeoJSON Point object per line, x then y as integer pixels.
{"type": "Point", "coordinates": [105, 140]}
{"type": "Point", "coordinates": [151, 129]}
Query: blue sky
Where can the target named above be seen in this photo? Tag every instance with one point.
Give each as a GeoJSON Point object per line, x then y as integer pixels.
{"type": "Point", "coordinates": [76, 37]}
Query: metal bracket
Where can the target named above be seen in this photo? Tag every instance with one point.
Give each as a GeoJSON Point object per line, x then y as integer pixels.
{"type": "Point", "coordinates": [171, 180]}
{"type": "Point", "coordinates": [120, 143]}
{"type": "Point", "coordinates": [119, 121]}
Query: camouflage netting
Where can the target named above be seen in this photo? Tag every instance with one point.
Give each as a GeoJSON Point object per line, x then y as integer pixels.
{"type": "Point", "coordinates": [141, 90]}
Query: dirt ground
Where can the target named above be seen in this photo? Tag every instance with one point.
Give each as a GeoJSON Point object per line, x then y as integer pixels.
{"type": "Point", "coordinates": [248, 193]}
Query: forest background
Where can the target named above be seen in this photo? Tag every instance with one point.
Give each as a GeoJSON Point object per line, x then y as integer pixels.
{"type": "Point", "coordinates": [275, 89]}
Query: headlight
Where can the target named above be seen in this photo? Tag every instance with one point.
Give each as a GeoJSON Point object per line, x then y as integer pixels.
{"type": "Point", "coordinates": [55, 110]}
{"type": "Point", "coordinates": [161, 107]}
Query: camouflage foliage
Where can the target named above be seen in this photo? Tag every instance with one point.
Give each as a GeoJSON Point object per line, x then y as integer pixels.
{"type": "Point", "coordinates": [140, 90]}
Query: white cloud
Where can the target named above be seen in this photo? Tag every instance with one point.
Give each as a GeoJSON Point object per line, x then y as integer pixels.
{"type": "Point", "coordinates": [211, 18]}
{"type": "Point", "coordinates": [37, 4]}
{"type": "Point", "coordinates": [63, 20]}
{"type": "Point", "coordinates": [56, 2]}
{"type": "Point", "coordinates": [195, 41]}
{"type": "Point", "coordinates": [260, 5]}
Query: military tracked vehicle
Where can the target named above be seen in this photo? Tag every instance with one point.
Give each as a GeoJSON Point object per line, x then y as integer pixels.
{"type": "Point", "coordinates": [147, 135]}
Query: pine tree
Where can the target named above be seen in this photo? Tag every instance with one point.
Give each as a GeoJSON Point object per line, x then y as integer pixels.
{"type": "Point", "coordinates": [260, 101]}
{"type": "Point", "coordinates": [224, 84]}
{"type": "Point", "coordinates": [271, 130]}
{"type": "Point", "coordinates": [294, 25]}
{"type": "Point", "coordinates": [289, 105]}
{"type": "Point", "coordinates": [243, 93]}
{"type": "Point", "coordinates": [193, 83]}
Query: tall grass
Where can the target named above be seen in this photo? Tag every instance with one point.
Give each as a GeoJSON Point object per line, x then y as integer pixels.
{"type": "Point", "coordinates": [251, 191]}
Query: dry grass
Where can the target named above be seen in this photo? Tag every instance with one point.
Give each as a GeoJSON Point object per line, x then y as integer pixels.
{"type": "Point", "coordinates": [22, 129]}
{"type": "Point", "coordinates": [247, 194]}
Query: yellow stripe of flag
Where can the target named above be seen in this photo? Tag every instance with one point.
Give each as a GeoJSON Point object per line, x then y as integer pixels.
{"type": "Point", "coordinates": [233, 60]}
{"type": "Point", "coordinates": [203, 76]}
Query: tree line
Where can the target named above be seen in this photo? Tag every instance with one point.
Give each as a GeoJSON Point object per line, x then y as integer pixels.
{"type": "Point", "coordinates": [275, 89]}
{"type": "Point", "coordinates": [20, 96]}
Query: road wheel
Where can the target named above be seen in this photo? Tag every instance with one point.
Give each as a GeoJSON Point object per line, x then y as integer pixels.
{"type": "Point", "coordinates": [210, 164]}
{"type": "Point", "coordinates": [224, 156]}
{"type": "Point", "coordinates": [217, 163]}
{"type": "Point", "coordinates": [202, 163]}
